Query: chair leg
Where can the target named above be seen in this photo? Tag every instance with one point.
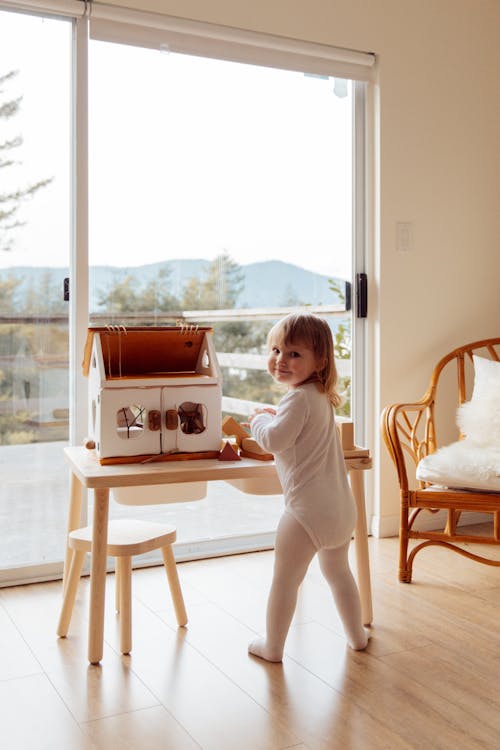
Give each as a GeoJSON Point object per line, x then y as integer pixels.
{"type": "Point", "coordinates": [404, 570]}
{"type": "Point", "coordinates": [72, 581]}
{"type": "Point", "coordinates": [124, 567]}
{"type": "Point", "coordinates": [175, 587]}
{"type": "Point", "coordinates": [452, 521]}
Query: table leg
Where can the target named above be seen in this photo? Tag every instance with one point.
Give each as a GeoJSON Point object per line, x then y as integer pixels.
{"type": "Point", "coordinates": [98, 574]}
{"type": "Point", "coordinates": [74, 519]}
{"type": "Point", "coordinates": [361, 546]}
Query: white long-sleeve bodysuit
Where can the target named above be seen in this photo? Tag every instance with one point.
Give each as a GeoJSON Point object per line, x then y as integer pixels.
{"type": "Point", "coordinates": [310, 464]}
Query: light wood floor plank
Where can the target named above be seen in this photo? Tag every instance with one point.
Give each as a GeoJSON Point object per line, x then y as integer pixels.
{"type": "Point", "coordinates": [16, 658]}
{"type": "Point", "coordinates": [140, 730]}
{"type": "Point", "coordinates": [455, 680]}
{"type": "Point", "coordinates": [34, 716]}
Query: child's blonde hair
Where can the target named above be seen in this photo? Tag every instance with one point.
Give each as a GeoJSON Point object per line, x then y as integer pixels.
{"type": "Point", "coordinates": [315, 334]}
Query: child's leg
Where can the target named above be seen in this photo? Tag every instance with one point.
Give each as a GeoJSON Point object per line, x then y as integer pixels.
{"type": "Point", "coordinates": [334, 565]}
{"type": "Point", "coordinates": [294, 551]}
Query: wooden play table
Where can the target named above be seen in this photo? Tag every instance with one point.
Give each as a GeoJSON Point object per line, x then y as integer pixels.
{"type": "Point", "coordinates": [88, 473]}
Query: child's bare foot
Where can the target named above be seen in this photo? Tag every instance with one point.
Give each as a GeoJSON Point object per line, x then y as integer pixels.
{"type": "Point", "coordinates": [362, 643]}
{"type": "Point", "coordinates": [259, 648]}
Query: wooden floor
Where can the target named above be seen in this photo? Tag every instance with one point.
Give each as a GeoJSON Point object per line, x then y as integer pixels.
{"type": "Point", "coordinates": [429, 679]}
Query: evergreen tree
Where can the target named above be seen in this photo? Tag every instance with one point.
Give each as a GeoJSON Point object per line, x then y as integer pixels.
{"type": "Point", "coordinates": [8, 288]}
{"type": "Point", "coordinates": [11, 201]}
{"type": "Point", "coordinates": [128, 296]}
{"type": "Point", "coordinates": [219, 289]}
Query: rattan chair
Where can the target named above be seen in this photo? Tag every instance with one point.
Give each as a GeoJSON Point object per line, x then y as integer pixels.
{"type": "Point", "coordinates": [410, 433]}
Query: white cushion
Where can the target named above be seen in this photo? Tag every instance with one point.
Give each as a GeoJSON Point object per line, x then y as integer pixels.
{"type": "Point", "coordinates": [486, 377]}
{"type": "Point", "coordinates": [479, 418]}
{"type": "Point", "coordinates": [472, 463]}
{"type": "Point", "coordinates": [463, 465]}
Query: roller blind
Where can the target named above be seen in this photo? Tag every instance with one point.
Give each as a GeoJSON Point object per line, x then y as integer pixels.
{"type": "Point", "coordinates": [69, 8]}
{"type": "Point", "coordinates": [157, 31]}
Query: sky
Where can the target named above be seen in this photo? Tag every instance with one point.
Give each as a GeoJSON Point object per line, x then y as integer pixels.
{"type": "Point", "coordinates": [188, 157]}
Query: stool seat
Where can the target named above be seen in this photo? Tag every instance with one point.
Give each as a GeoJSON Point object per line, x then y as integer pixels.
{"type": "Point", "coordinates": [126, 537]}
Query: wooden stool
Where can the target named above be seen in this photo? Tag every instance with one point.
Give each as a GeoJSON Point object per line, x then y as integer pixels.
{"type": "Point", "coordinates": [125, 539]}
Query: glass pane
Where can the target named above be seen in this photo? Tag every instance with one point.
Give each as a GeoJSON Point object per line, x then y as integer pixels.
{"type": "Point", "coordinates": [34, 253]}
{"type": "Point", "coordinates": [220, 195]}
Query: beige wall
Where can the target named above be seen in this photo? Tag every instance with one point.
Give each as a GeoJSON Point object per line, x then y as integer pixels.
{"type": "Point", "coordinates": [438, 161]}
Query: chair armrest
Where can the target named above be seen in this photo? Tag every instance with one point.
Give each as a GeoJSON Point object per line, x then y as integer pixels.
{"type": "Point", "coordinates": [408, 431]}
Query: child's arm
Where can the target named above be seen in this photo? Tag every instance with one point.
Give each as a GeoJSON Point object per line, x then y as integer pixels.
{"type": "Point", "coordinates": [278, 432]}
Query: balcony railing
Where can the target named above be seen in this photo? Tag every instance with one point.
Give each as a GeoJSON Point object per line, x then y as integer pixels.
{"type": "Point", "coordinates": [41, 392]}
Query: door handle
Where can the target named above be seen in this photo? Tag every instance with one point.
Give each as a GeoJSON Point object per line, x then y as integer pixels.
{"type": "Point", "coordinates": [171, 419]}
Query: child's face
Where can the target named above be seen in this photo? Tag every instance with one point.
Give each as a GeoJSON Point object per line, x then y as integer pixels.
{"type": "Point", "coordinates": [291, 364]}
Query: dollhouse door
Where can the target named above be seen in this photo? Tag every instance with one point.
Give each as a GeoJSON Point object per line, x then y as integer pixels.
{"type": "Point", "coordinates": [130, 422]}
{"type": "Point", "coordinates": [192, 418]}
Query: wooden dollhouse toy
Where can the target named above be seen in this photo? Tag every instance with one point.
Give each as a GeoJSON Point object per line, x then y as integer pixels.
{"type": "Point", "coordinates": [154, 392]}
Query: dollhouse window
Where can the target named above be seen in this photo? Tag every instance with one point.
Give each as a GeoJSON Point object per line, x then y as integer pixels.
{"type": "Point", "coordinates": [192, 417]}
{"type": "Point", "coordinates": [130, 421]}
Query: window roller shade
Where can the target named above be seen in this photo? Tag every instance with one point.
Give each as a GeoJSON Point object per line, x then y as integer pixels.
{"type": "Point", "coordinates": [156, 31]}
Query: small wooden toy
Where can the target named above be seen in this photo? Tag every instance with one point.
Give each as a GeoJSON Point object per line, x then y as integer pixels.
{"type": "Point", "coordinates": [228, 453]}
{"type": "Point", "coordinates": [251, 449]}
{"type": "Point", "coordinates": [248, 446]}
{"type": "Point", "coordinates": [231, 427]}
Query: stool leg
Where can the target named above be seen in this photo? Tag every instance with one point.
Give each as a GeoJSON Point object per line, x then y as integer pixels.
{"type": "Point", "coordinates": [72, 581]}
{"type": "Point", "coordinates": [124, 567]}
{"type": "Point", "coordinates": [117, 585]}
{"type": "Point", "coordinates": [175, 587]}
{"type": "Point", "coordinates": [75, 509]}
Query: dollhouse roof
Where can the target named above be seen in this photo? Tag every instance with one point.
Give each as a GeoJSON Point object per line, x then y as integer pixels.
{"type": "Point", "coordinates": [146, 350]}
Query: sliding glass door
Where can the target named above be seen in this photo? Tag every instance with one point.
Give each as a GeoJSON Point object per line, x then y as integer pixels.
{"type": "Point", "coordinates": [35, 97]}
{"type": "Point", "coordinates": [219, 193]}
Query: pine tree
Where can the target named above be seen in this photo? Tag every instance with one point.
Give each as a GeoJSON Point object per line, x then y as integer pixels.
{"type": "Point", "coordinates": [11, 201]}
{"type": "Point", "coordinates": [127, 295]}
{"type": "Point", "coordinates": [218, 289]}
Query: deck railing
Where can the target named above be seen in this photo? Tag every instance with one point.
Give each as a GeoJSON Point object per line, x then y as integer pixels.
{"type": "Point", "coordinates": [13, 360]}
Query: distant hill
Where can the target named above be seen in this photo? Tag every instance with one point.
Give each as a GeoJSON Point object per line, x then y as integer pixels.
{"type": "Point", "coordinates": [274, 282]}
{"type": "Point", "coordinates": [266, 284]}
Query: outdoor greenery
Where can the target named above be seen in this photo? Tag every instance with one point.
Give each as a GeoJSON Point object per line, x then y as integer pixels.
{"type": "Point", "coordinates": [11, 200]}
{"type": "Point", "coordinates": [16, 338]}
{"type": "Point", "coordinates": [23, 344]}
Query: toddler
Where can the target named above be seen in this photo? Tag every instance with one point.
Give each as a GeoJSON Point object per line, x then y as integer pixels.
{"type": "Point", "coordinates": [320, 512]}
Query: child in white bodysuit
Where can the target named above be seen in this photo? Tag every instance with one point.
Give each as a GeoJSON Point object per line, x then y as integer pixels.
{"type": "Point", "coordinates": [319, 513]}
